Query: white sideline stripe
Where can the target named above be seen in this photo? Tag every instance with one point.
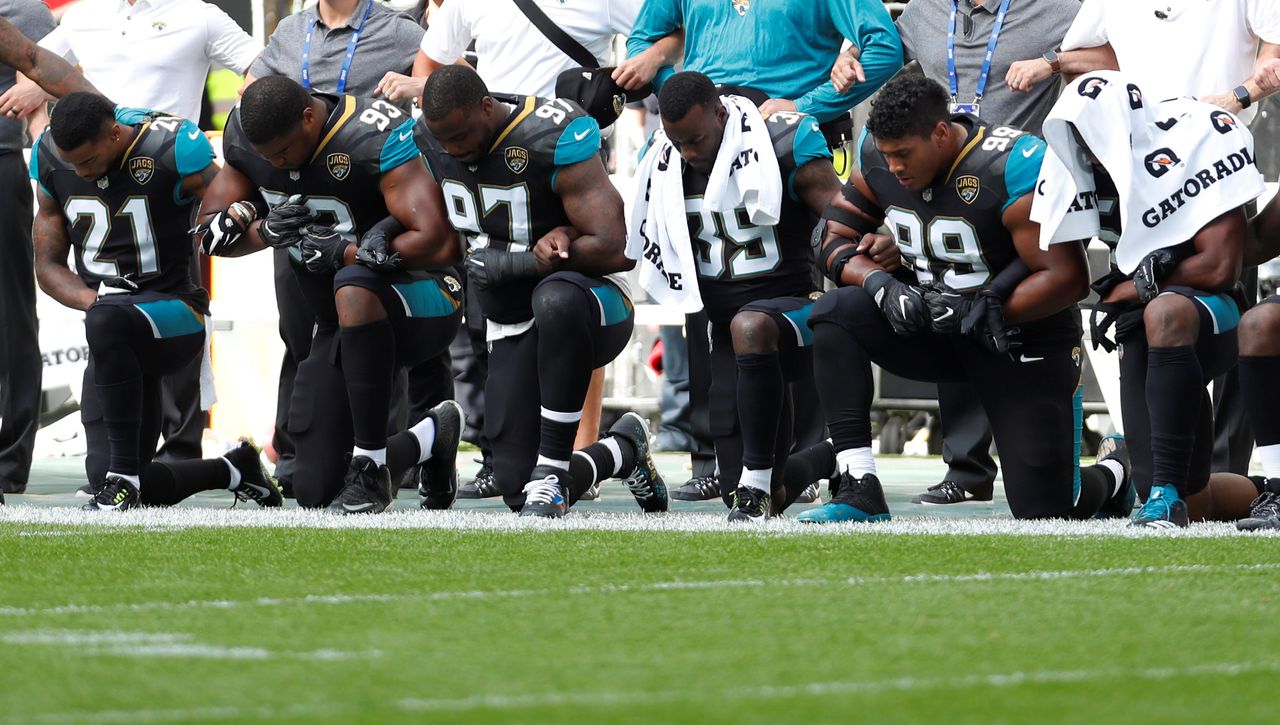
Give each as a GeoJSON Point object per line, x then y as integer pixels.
{"type": "Point", "coordinates": [854, 581]}
{"type": "Point", "coordinates": [162, 644]}
{"type": "Point", "coordinates": [762, 692]}
{"type": "Point", "coordinates": [161, 519]}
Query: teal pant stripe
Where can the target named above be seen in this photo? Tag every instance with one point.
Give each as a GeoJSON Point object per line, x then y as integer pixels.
{"type": "Point", "coordinates": [171, 318]}
{"type": "Point", "coordinates": [424, 298]}
{"type": "Point", "coordinates": [1223, 310]}
{"type": "Point", "coordinates": [1077, 416]}
{"type": "Point", "coordinates": [799, 319]}
{"type": "Point", "coordinates": [613, 306]}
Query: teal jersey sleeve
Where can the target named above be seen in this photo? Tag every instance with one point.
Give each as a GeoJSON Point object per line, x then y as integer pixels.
{"type": "Point", "coordinates": [33, 168]}
{"type": "Point", "coordinates": [191, 149]}
{"type": "Point", "coordinates": [809, 143]}
{"type": "Point", "coordinates": [134, 116]}
{"type": "Point", "coordinates": [399, 148]}
{"type": "Point", "coordinates": [656, 20]}
{"type": "Point", "coordinates": [1022, 167]}
{"type": "Point", "coordinates": [578, 142]}
{"type": "Point", "coordinates": [857, 148]}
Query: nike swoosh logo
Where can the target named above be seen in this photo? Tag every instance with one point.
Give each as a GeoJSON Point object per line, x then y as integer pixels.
{"type": "Point", "coordinates": [903, 300]}
{"type": "Point", "coordinates": [580, 136]}
{"type": "Point", "coordinates": [194, 135]}
{"type": "Point", "coordinates": [947, 315]}
{"type": "Point", "coordinates": [1028, 153]}
{"type": "Point", "coordinates": [314, 256]}
{"type": "Point", "coordinates": [1025, 359]}
{"type": "Point", "coordinates": [358, 507]}
{"type": "Point", "coordinates": [406, 135]}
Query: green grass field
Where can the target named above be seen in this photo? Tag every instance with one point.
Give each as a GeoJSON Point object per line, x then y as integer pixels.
{"type": "Point", "coordinates": [196, 615]}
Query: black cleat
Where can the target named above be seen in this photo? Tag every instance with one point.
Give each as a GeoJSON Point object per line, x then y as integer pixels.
{"type": "Point", "coordinates": [698, 488]}
{"type": "Point", "coordinates": [88, 490]}
{"type": "Point", "coordinates": [545, 495]}
{"type": "Point", "coordinates": [255, 484]}
{"type": "Point", "coordinates": [809, 494]}
{"type": "Point", "coordinates": [592, 493]}
{"type": "Point", "coordinates": [365, 490]}
{"type": "Point", "coordinates": [947, 492]}
{"type": "Point", "coordinates": [482, 486]}
{"type": "Point", "coordinates": [1264, 513]}
{"type": "Point", "coordinates": [750, 505]}
{"type": "Point", "coordinates": [644, 481]}
{"type": "Point", "coordinates": [117, 494]}
{"type": "Point", "coordinates": [438, 476]}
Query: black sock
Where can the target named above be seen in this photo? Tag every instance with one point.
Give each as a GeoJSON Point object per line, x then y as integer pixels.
{"type": "Point", "coordinates": [1260, 385]}
{"type": "Point", "coordinates": [596, 463]}
{"type": "Point", "coordinates": [1174, 384]}
{"type": "Point", "coordinates": [565, 355]}
{"type": "Point", "coordinates": [402, 453]}
{"type": "Point", "coordinates": [842, 372]}
{"type": "Point", "coordinates": [165, 484]}
{"type": "Point", "coordinates": [760, 402]}
{"type": "Point", "coordinates": [1096, 486]}
{"type": "Point", "coordinates": [804, 467]}
{"type": "Point", "coordinates": [368, 363]}
{"type": "Point", "coordinates": [122, 418]}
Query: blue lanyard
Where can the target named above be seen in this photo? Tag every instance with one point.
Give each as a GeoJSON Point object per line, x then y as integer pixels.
{"type": "Point", "coordinates": [986, 62]}
{"type": "Point", "coordinates": [346, 60]}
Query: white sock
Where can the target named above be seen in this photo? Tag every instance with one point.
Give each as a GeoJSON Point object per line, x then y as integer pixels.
{"type": "Point", "coordinates": [858, 462]}
{"type": "Point", "coordinates": [135, 480]}
{"type": "Point", "coordinates": [758, 480]}
{"type": "Point", "coordinates": [1117, 474]}
{"type": "Point", "coordinates": [1270, 456]}
{"type": "Point", "coordinates": [378, 456]}
{"type": "Point", "coordinates": [561, 416]}
{"type": "Point", "coordinates": [544, 461]}
{"type": "Point", "coordinates": [235, 475]}
{"type": "Point", "coordinates": [425, 432]}
{"type": "Point", "coordinates": [611, 444]}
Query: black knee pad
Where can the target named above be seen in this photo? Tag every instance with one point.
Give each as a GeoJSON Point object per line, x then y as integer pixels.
{"type": "Point", "coordinates": [557, 302]}
{"type": "Point", "coordinates": [106, 324]}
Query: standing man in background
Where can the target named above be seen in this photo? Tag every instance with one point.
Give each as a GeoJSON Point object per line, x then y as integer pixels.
{"type": "Point", "coordinates": [337, 46]}
{"type": "Point", "coordinates": [152, 54]}
{"type": "Point", "coordinates": [20, 364]}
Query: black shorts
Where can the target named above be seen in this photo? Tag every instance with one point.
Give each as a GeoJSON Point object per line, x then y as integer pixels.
{"type": "Point", "coordinates": [424, 308]}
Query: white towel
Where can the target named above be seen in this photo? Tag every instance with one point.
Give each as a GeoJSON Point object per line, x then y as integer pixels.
{"type": "Point", "coordinates": [657, 226]}
{"type": "Point", "coordinates": [1177, 165]}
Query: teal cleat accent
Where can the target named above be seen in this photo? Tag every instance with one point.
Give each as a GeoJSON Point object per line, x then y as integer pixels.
{"type": "Point", "coordinates": [855, 500]}
{"type": "Point", "coordinates": [1164, 509]}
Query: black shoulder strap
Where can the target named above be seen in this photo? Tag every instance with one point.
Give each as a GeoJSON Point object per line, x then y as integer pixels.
{"type": "Point", "coordinates": [558, 37]}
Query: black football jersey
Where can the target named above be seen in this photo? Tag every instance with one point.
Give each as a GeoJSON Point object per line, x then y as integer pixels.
{"type": "Point", "coordinates": [739, 262]}
{"type": "Point", "coordinates": [507, 200]}
{"type": "Point", "coordinates": [952, 232]}
{"type": "Point", "coordinates": [135, 220]}
{"type": "Point", "coordinates": [361, 140]}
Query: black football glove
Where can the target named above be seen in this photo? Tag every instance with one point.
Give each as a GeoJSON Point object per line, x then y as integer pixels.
{"type": "Point", "coordinates": [1151, 271]}
{"type": "Point", "coordinates": [985, 323]}
{"type": "Point", "coordinates": [322, 248]}
{"type": "Point", "coordinates": [224, 230]}
{"type": "Point", "coordinates": [375, 251]}
{"type": "Point", "coordinates": [283, 225]}
{"type": "Point", "coordinates": [947, 309]}
{"type": "Point", "coordinates": [487, 268]}
{"type": "Point", "coordinates": [903, 305]}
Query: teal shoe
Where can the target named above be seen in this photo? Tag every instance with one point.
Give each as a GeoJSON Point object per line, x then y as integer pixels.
{"type": "Point", "coordinates": [854, 500]}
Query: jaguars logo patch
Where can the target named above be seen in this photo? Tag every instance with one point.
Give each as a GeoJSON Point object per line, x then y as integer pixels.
{"type": "Point", "coordinates": [1091, 87]}
{"type": "Point", "coordinates": [517, 158]}
{"type": "Point", "coordinates": [339, 165]}
{"type": "Point", "coordinates": [1222, 121]}
{"type": "Point", "coordinates": [1075, 356]}
{"type": "Point", "coordinates": [1159, 162]}
{"type": "Point", "coordinates": [967, 188]}
{"type": "Point", "coordinates": [142, 168]}
{"type": "Point", "coordinates": [815, 295]}
{"type": "Point", "coordinates": [452, 283]}
{"type": "Point", "coordinates": [742, 6]}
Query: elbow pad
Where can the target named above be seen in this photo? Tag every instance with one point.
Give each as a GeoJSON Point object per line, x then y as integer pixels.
{"type": "Point", "coordinates": [853, 210]}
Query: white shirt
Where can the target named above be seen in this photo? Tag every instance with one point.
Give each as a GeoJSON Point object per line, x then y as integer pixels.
{"type": "Point", "coordinates": [152, 54]}
{"type": "Point", "coordinates": [514, 56]}
{"type": "Point", "coordinates": [1202, 48]}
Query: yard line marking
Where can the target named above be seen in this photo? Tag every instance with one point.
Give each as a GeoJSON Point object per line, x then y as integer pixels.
{"type": "Point", "coordinates": [81, 643]}
{"type": "Point", "coordinates": [677, 585]}
{"type": "Point", "coordinates": [762, 692]}
{"type": "Point", "coordinates": [162, 520]}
